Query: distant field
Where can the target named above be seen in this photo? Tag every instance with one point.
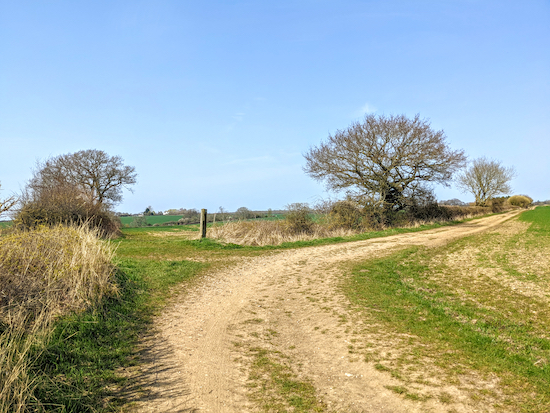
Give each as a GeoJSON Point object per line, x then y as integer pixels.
{"type": "Point", "coordinates": [154, 219]}
{"type": "Point", "coordinates": [4, 224]}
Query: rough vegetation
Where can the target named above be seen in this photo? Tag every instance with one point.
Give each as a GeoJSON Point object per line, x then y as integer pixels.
{"type": "Point", "coordinates": [65, 205]}
{"type": "Point", "coordinates": [45, 273]}
{"type": "Point", "coordinates": [329, 219]}
{"type": "Point", "coordinates": [522, 201]}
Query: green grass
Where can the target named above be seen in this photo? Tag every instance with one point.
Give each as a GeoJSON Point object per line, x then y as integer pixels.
{"type": "Point", "coordinates": [276, 388]}
{"type": "Point", "coordinates": [539, 219]}
{"type": "Point", "coordinates": [5, 224]}
{"type": "Point", "coordinates": [77, 372]}
{"type": "Point", "coordinates": [460, 319]}
{"type": "Point", "coordinates": [153, 219]}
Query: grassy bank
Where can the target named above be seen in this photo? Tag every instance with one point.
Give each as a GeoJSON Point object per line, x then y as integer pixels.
{"type": "Point", "coordinates": [473, 315]}
{"type": "Point", "coordinates": [77, 371]}
{"type": "Point", "coordinates": [67, 357]}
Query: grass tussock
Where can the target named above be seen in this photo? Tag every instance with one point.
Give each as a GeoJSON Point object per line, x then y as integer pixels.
{"type": "Point", "coordinates": [44, 273]}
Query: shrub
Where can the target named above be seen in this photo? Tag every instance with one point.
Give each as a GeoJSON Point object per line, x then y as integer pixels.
{"type": "Point", "coordinates": [65, 205]}
{"type": "Point", "coordinates": [168, 223]}
{"type": "Point", "coordinates": [522, 201]}
{"type": "Point", "coordinates": [459, 212]}
{"type": "Point", "coordinates": [298, 218]}
{"type": "Point", "coordinates": [345, 214]}
{"type": "Point", "coordinates": [497, 204]}
{"type": "Point", "coordinates": [138, 222]}
{"type": "Point", "coordinates": [429, 212]}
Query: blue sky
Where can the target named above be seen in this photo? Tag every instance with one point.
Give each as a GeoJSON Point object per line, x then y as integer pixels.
{"type": "Point", "coordinates": [215, 102]}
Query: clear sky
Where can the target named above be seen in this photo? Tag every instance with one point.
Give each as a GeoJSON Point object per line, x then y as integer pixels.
{"type": "Point", "coordinates": [214, 102]}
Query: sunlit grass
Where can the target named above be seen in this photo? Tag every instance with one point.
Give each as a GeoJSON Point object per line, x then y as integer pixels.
{"type": "Point", "coordinates": [463, 311]}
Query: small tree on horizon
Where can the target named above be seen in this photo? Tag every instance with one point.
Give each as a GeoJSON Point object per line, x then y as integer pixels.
{"type": "Point", "coordinates": [243, 213]}
{"type": "Point", "coordinates": [486, 179]}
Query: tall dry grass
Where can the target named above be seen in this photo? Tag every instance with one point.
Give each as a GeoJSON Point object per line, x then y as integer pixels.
{"type": "Point", "coordinates": [261, 233]}
{"type": "Point", "coordinates": [340, 220]}
{"type": "Point", "coordinates": [44, 273]}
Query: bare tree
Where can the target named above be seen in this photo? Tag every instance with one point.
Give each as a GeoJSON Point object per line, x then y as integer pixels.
{"type": "Point", "coordinates": [452, 202]}
{"type": "Point", "coordinates": [223, 213]}
{"type": "Point", "coordinates": [386, 161]}
{"type": "Point", "coordinates": [99, 177]}
{"type": "Point", "coordinates": [243, 213]}
{"type": "Point", "coordinates": [485, 179]}
{"type": "Point", "coordinates": [7, 204]}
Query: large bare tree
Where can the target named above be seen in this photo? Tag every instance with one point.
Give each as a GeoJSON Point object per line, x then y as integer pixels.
{"type": "Point", "coordinates": [100, 178]}
{"type": "Point", "coordinates": [384, 160]}
{"type": "Point", "coordinates": [485, 179]}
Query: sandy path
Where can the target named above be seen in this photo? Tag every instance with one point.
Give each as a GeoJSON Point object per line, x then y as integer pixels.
{"type": "Point", "coordinates": [198, 360]}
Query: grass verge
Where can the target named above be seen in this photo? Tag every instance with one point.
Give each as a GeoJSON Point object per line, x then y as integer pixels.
{"type": "Point", "coordinates": [459, 315]}
{"type": "Point", "coordinates": [78, 369]}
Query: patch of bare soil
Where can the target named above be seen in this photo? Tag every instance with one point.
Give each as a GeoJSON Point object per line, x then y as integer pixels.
{"type": "Point", "coordinates": [288, 302]}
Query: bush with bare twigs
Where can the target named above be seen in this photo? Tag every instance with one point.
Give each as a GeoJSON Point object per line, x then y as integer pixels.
{"type": "Point", "coordinates": [346, 214]}
{"type": "Point", "coordinates": [298, 218]}
{"type": "Point", "coordinates": [65, 205]}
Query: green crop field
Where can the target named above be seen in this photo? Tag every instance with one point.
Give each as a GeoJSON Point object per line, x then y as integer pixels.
{"type": "Point", "coordinates": [152, 220]}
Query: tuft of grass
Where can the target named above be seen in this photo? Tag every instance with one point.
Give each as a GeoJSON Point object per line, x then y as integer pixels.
{"type": "Point", "coordinates": [276, 388]}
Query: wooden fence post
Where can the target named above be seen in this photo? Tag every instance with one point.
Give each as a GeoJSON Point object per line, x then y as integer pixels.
{"type": "Point", "coordinates": [203, 223]}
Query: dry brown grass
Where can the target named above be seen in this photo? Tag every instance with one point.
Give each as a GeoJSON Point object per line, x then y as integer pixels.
{"type": "Point", "coordinates": [44, 273]}
{"type": "Point", "coordinates": [261, 233]}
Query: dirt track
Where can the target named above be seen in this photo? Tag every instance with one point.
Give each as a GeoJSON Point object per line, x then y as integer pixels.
{"type": "Point", "coordinates": [197, 361]}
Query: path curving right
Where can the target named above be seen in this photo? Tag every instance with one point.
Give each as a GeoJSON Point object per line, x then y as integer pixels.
{"type": "Point", "coordinates": [199, 359]}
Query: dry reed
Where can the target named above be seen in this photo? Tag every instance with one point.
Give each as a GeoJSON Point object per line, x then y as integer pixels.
{"type": "Point", "coordinates": [44, 273]}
